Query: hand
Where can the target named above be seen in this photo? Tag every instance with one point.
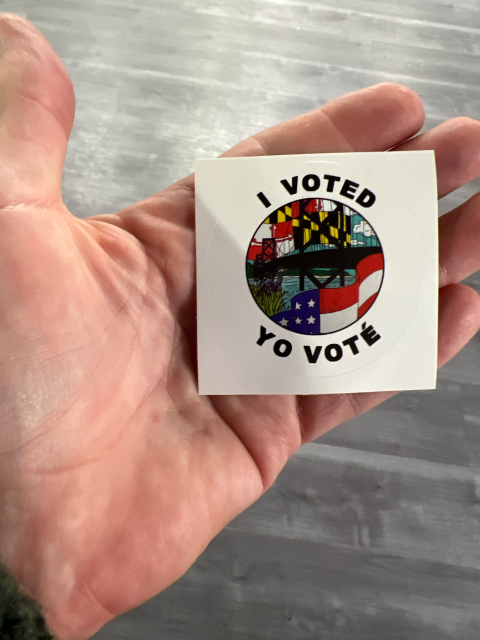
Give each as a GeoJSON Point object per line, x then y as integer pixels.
{"type": "Point", "coordinates": [114, 473]}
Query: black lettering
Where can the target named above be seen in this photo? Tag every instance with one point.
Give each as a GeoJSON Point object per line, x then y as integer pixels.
{"type": "Point", "coordinates": [264, 336]}
{"type": "Point", "coordinates": [331, 182]}
{"type": "Point", "coordinates": [282, 344]}
{"type": "Point", "coordinates": [306, 182]}
{"type": "Point", "coordinates": [338, 352]}
{"type": "Point", "coordinates": [369, 334]}
{"type": "Point", "coordinates": [312, 357]}
{"type": "Point", "coordinates": [349, 188]}
{"type": "Point", "coordinates": [366, 198]}
{"type": "Point", "coordinates": [263, 199]}
{"type": "Point", "coordinates": [291, 188]}
{"type": "Point", "coordinates": [351, 342]}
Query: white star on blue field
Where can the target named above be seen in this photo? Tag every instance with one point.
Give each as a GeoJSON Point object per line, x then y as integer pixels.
{"type": "Point", "coordinates": [303, 315]}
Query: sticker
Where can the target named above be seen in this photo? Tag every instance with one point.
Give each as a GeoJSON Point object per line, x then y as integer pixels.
{"type": "Point", "coordinates": [315, 266]}
{"type": "Point", "coordinates": [317, 273]}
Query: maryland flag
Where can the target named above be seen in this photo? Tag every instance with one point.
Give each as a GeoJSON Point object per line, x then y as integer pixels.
{"type": "Point", "coordinates": [282, 230]}
{"type": "Point", "coordinates": [284, 214]}
{"type": "Point", "coordinates": [338, 227]}
{"type": "Point", "coordinates": [322, 227]}
{"type": "Point", "coordinates": [311, 231]}
{"type": "Point", "coordinates": [319, 226]}
{"type": "Point", "coordinates": [281, 221]}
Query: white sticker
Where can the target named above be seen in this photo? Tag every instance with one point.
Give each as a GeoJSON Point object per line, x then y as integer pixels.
{"type": "Point", "coordinates": [317, 273]}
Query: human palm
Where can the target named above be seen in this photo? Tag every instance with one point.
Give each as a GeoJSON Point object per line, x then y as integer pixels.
{"type": "Point", "coordinates": [114, 473]}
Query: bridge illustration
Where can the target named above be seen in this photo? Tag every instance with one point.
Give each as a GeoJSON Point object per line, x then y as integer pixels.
{"type": "Point", "coordinates": [319, 240]}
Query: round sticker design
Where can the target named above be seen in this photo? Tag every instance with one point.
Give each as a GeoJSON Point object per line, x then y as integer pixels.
{"type": "Point", "coordinates": [315, 266]}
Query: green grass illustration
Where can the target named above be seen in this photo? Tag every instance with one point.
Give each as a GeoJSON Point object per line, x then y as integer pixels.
{"type": "Point", "coordinates": [270, 302]}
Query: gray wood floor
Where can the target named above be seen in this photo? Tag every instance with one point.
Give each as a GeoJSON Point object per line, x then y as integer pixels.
{"type": "Point", "coordinates": [373, 532]}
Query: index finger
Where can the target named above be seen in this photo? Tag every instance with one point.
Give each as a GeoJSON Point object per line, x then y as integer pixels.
{"type": "Point", "coordinates": [372, 119]}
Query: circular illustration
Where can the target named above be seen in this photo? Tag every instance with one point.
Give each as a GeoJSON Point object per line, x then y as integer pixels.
{"type": "Point", "coordinates": [315, 266]}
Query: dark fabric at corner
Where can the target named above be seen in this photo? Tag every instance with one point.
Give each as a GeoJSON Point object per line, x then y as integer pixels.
{"type": "Point", "coordinates": [20, 616]}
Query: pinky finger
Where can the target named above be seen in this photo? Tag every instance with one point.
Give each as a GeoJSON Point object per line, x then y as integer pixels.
{"type": "Point", "coordinates": [458, 320]}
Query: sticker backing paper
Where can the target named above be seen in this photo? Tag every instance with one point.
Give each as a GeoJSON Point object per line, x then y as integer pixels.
{"type": "Point", "coordinates": [317, 273]}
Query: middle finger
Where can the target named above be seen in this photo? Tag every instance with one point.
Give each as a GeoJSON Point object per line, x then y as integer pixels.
{"type": "Point", "coordinates": [457, 150]}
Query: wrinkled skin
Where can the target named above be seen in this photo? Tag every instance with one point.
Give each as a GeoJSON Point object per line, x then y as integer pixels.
{"type": "Point", "coordinates": [114, 473]}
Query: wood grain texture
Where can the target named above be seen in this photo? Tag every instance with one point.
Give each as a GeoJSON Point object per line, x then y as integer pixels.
{"type": "Point", "coordinates": [373, 532]}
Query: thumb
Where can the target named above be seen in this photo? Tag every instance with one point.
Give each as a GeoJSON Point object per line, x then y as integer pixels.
{"type": "Point", "coordinates": [37, 106]}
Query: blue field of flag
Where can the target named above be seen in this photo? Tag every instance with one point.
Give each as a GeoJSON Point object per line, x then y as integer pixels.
{"type": "Point", "coordinates": [303, 315]}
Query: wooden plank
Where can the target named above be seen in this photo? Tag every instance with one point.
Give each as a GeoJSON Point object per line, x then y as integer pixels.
{"type": "Point", "coordinates": [275, 589]}
{"type": "Point", "coordinates": [394, 506]}
{"type": "Point", "coordinates": [427, 425]}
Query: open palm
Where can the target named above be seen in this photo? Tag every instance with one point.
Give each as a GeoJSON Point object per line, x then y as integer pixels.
{"type": "Point", "coordinates": [114, 473]}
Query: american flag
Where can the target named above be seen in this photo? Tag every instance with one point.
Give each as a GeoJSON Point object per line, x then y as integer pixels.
{"type": "Point", "coordinates": [303, 315]}
{"type": "Point", "coordinates": [328, 310]}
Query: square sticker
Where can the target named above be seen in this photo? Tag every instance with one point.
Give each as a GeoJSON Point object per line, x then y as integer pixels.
{"type": "Point", "coordinates": [317, 273]}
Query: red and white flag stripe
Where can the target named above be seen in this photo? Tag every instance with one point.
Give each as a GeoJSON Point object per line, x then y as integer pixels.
{"type": "Point", "coordinates": [341, 307]}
